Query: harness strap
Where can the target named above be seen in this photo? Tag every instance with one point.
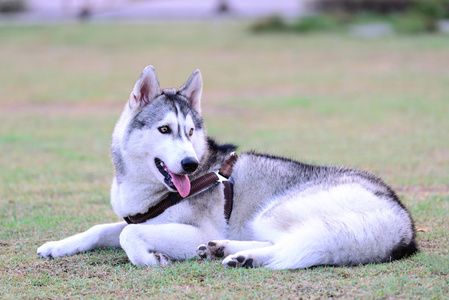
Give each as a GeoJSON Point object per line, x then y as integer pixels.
{"type": "Point", "coordinates": [196, 186]}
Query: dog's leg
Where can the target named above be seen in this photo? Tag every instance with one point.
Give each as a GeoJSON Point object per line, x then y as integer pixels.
{"type": "Point", "coordinates": [148, 245]}
{"type": "Point", "coordinates": [223, 248]}
{"type": "Point", "coordinates": [99, 236]}
{"type": "Point", "coordinates": [350, 238]}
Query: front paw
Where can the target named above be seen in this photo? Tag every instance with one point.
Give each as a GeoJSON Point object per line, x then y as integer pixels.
{"type": "Point", "coordinates": [213, 250]}
{"type": "Point", "coordinates": [52, 250]}
{"type": "Point", "coordinates": [239, 261]}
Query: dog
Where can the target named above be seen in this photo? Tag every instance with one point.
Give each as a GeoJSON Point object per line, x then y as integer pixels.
{"type": "Point", "coordinates": [256, 210]}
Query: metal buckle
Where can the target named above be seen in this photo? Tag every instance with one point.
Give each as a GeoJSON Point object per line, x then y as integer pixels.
{"type": "Point", "coordinates": [221, 178]}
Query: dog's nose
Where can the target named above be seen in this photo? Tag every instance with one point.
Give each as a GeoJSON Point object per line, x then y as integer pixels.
{"type": "Point", "coordinates": [189, 164]}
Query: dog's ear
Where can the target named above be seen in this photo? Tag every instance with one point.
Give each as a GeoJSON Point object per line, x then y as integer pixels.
{"type": "Point", "coordinates": [145, 89]}
{"type": "Point", "coordinates": [193, 89]}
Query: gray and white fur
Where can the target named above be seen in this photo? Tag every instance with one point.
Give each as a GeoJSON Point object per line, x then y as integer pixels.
{"type": "Point", "coordinates": [286, 214]}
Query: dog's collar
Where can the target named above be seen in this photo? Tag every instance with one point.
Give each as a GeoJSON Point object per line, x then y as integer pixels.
{"type": "Point", "coordinates": [197, 186]}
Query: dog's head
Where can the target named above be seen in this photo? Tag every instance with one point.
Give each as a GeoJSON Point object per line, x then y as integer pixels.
{"type": "Point", "coordinates": [162, 131]}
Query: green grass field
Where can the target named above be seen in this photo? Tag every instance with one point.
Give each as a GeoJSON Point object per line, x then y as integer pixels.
{"type": "Point", "coordinates": [376, 104]}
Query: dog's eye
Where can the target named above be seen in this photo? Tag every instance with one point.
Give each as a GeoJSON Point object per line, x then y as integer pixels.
{"type": "Point", "coordinates": [191, 132]}
{"type": "Point", "coordinates": [164, 129]}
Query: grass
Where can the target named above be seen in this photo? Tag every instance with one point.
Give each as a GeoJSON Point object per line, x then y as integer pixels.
{"type": "Point", "coordinates": [377, 104]}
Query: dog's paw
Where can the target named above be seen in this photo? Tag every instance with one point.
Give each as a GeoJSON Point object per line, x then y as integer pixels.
{"type": "Point", "coordinates": [149, 258]}
{"type": "Point", "coordinates": [213, 250]}
{"type": "Point", "coordinates": [53, 250]}
{"type": "Point", "coordinates": [239, 261]}
{"type": "Point", "coordinates": [202, 252]}
{"type": "Point", "coordinates": [162, 259]}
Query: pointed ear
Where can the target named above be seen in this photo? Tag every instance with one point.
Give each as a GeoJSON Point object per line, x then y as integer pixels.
{"type": "Point", "coordinates": [145, 89]}
{"type": "Point", "coordinates": [193, 89]}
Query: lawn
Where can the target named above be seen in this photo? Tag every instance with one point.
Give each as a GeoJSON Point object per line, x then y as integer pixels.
{"type": "Point", "coordinates": [377, 104]}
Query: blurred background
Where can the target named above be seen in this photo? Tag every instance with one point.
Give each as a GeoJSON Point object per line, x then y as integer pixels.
{"type": "Point", "coordinates": [401, 15]}
{"type": "Point", "coordinates": [144, 9]}
{"type": "Point", "coordinates": [356, 82]}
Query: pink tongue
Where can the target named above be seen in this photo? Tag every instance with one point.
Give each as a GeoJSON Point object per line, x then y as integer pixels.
{"type": "Point", "coordinates": [182, 184]}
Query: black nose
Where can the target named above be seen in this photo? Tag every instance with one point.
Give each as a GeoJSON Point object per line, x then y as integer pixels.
{"type": "Point", "coordinates": [189, 164]}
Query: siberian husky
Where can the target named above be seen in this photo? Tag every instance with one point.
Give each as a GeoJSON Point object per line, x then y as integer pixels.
{"type": "Point", "coordinates": [279, 214]}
